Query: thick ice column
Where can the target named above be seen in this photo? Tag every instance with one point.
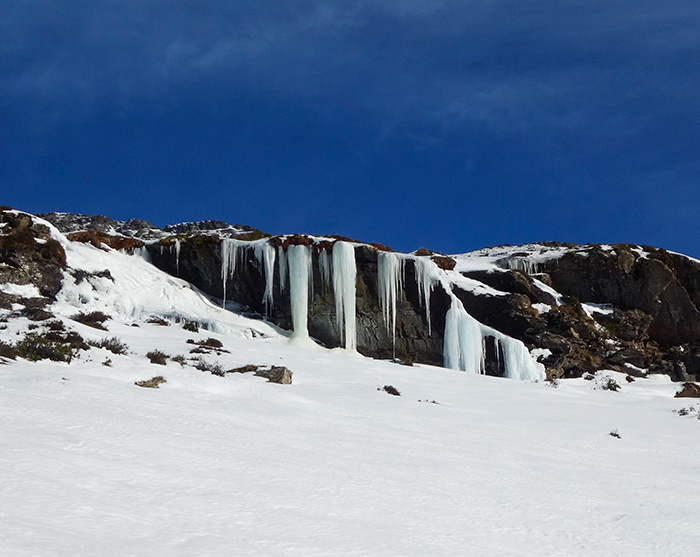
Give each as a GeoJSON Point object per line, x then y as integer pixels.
{"type": "Point", "coordinates": [390, 270]}
{"type": "Point", "coordinates": [344, 277]}
{"type": "Point", "coordinates": [463, 346]}
{"type": "Point", "coordinates": [230, 250]}
{"type": "Point", "coordinates": [266, 255]}
{"type": "Point", "coordinates": [425, 278]}
{"type": "Point", "coordinates": [299, 258]}
{"type": "Point", "coordinates": [518, 362]}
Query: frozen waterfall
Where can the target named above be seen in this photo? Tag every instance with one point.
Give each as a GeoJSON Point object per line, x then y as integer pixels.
{"type": "Point", "coordinates": [230, 252]}
{"type": "Point", "coordinates": [300, 275]}
{"type": "Point", "coordinates": [464, 347]}
{"type": "Point", "coordinates": [390, 269]}
{"type": "Point", "coordinates": [344, 277]}
{"type": "Point", "coordinates": [266, 255]}
{"type": "Point", "coordinates": [177, 257]}
{"type": "Point", "coordinates": [425, 278]}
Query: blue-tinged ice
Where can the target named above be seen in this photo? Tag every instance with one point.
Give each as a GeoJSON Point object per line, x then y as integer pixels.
{"type": "Point", "coordinates": [344, 278]}
{"type": "Point", "coordinates": [299, 259]}
{"type": "Point", "coordinates": [390, 271]}
{"type": "Point", "coordinates": [425, 279]}
{"type": "Point", "coordinates": [266, 255]}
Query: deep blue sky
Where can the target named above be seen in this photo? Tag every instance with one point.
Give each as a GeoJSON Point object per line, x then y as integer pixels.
{"type": "Point", "coordinates": [449, 125]}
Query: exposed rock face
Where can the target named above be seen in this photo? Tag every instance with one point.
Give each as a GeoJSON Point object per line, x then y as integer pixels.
{"type": "Point", "coordinates": [661, 284]}
{"type": "Point", "coordinates": [200, 263]}
{"type": "Point", "coordinates": [137, 228]}
{"type": "Point", "coordinates": [28, 255]}
{"type": "Point", "coordinates": [584, 308]}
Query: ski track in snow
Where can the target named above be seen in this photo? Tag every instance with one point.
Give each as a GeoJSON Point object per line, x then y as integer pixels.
{"type": "Point", "coordinates": [331, 465]}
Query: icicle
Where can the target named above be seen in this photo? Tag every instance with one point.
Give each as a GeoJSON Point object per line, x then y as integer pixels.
{"type": "Point", "coordinates": [344, 277]}
{"type": "Point", "coordinates": [464, 347]}
{"type": "Point", "coordinates": [518, 362]}
{"type": "Point", "coordinates": [324, 265]}
{"type": "Point", "coordinates": [282, 257]}
{"type": "Point", "coordinates": [299, 258]}
{"type": "Point", "coordinates": [230, 250]}
{"type": "Point", "coordinates": [390, 270]}
{"type": "Point", "coordinates": [523, 264]}
{"type": "Point", "coordinates": [266, 254]}
{"type": "Point", "coordinates": [424, 269]}
{"type": "Point", "coordinates": [177, 256]}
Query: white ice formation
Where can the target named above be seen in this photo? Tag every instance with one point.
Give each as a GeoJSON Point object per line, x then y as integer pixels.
{"type": "Point", "coordinates": [390, 270]}
{"type": "Point", "coordinates": [300, 276]}
{"type": "Point", "coordinates": [464, 346]}
{"type": "Point", "coordinates": [425, 278]}
{"type": "Point", "coordinates": [344, 277]}
{"type": "Point", "coordinates": [230, 250]}
{"type": "Point", "coordinates": [464, 342]}
{"type": "Point", "coordinates": [177, 256]}
{"type": "Point", "coordinates": [266, 255]}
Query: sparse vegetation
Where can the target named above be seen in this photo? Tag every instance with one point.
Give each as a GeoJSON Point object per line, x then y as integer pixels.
{"type": "Point", "coordinates": [113, 344]}
{"type": "Point", "coordinates": [151, 383]}
{"type": "Point", "coordinates": [94, 319]}
{"type": "Point", "coordinates": [609, 384]}
{"type": "Point", "coordinates": [107, 362]}
{"type": "Point", "coordinates": [212, 367]}
{"type": "Point", "coordinates": [191, 326]}
{"type": "Point", "coordinates": [179, 359]}
{"type": "Point", "coordinates": [35, 347]}
{"type": "Point", "coordinates": [155, 320]}
{"type": "Point", "coordinates": [614, 433]}
{"type": "Point", "coordinates": [157, 357]}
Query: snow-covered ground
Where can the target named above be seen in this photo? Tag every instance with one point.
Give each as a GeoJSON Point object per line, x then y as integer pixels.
{"type": "Point", "coordinates": [206, 465]}
{"type": "Point", "coordinates": [459, 464]}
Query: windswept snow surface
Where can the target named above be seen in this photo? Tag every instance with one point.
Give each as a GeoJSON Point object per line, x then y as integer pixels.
{"type": "Point", "coordinates": [208, 466]}
{"type": "Point", "coordinates": [458, 464]}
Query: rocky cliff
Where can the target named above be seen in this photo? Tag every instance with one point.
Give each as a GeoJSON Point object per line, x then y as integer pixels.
{"type": "Point", "coordinates": [577, 309]}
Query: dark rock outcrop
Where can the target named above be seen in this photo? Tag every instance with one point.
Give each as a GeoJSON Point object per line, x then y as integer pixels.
{"type": "Point", "coordinates": [29, 255]}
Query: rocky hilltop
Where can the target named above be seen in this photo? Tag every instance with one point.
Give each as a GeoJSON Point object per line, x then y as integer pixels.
{"type": "Point", "coordinates": [567, 310]}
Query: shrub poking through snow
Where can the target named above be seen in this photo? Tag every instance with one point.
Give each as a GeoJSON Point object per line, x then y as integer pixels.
{"type": "Point", "coordinates": [390, 389]}
{"type": "Point", "coordinates": [35, 347]}
{"type": "Point", "coordinates": [113, 344]}
{"type": "Point", "coordinates": [151, 383]}
{"type": "Point", "coordinates": [191, 326]}
{"type": "Point", "coordinates": [212, 367]}
{"type": "Point", "coordinates": [609, 384]}
{"type": "Point", "coordinates": [94, 319]}
{"type": "Point", "coordinates": [615, 434]}
{"type": "Point", "coordinates": [179, 359]}
{"type": "Point", "coordinates": [155, 320]}
{"type": "Point", "coordinates": [157, 357]}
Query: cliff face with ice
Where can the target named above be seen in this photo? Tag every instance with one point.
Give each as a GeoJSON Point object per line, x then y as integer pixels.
{"type": "Point", "coordinates": [516, 311]}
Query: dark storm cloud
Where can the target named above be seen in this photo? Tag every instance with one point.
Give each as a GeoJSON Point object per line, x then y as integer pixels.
{"type": "Point", "coordinates": [505, 62]}
{"type": "Point", "coordinates": [552, 110]}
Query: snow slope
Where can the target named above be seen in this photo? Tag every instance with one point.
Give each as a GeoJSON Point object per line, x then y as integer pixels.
{"type": "Point", "coordinates": [459, 464]}
{"type": "Point", "coordinates": [204, 465]}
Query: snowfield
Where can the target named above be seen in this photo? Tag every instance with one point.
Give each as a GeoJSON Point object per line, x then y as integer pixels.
{"type": "Point", "coordinates": [459, 464]}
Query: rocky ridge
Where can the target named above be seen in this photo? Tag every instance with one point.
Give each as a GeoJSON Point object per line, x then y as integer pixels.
{"type": "Point", "coordinates": [579, 309]}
